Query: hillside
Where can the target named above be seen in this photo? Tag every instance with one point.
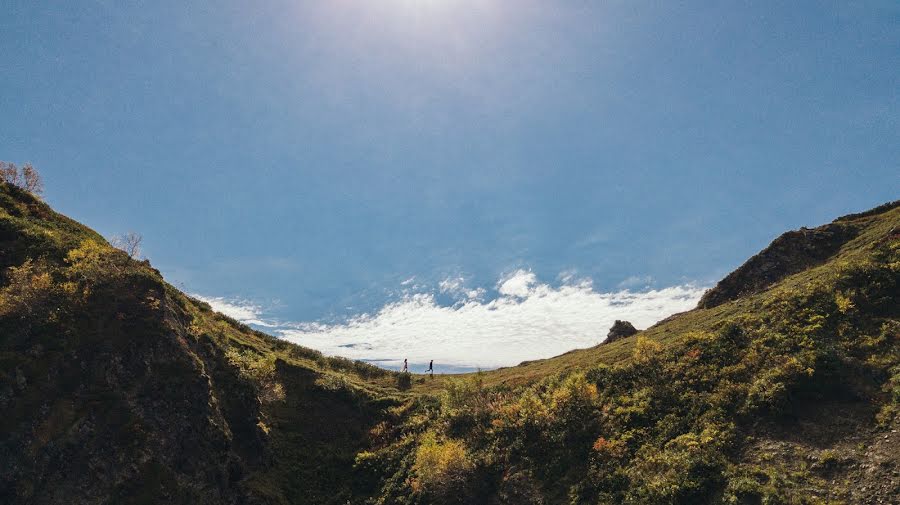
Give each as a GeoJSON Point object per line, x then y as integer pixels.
{"type": "Point", "coordinates": [783, 386]}
{"type": "Point", "coordinates": [117, 388]}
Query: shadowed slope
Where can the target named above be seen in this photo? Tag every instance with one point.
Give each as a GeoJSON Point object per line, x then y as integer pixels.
{"type": "Point", "coordinates": [117, 388]}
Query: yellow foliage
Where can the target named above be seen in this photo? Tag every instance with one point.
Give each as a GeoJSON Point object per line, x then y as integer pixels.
{"type": "Point", "coordinates": [69, 288]}
{"type": "Point", "coordinates": [646, 350]}
{"type": "Point", "coordinates": [93, 262]}
{"type": "Point", "coordinates": [88, 251]}
{"type": "Point", "coordinates": [574, 390]}
{"type": "Point", "coordinates": [844, 303]}
{"type": "Point", "coordinates": [153, 302]}
{"type": "Point", "coordinates": [29, 289]}
{"type": "Point", "coordinates": [440, 466]}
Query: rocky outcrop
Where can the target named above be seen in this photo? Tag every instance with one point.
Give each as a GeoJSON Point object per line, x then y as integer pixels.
{"type": "Point", "coordinates": [788, 254]}
{"type": "Point", "coordinates": [620, 330]}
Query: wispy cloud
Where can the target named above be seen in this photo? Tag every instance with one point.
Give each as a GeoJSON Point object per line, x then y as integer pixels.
{"type": "Point", "coordinates": [637, 282]}
{"type": "Point", "coordinates": [456, 288]}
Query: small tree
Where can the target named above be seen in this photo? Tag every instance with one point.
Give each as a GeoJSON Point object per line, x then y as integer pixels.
{"type": "Point", "coordinates": [28, 178]}
{"type": "Point", "coordinates": [31, 180]}
{"type": "Point", "coordinates": [9, 173]}
{"type": "Point", "coordinates": [130, 243]}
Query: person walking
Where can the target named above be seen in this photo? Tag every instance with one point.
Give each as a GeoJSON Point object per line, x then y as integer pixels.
{"type": "Point", "coordinates": [431, 368]}
{"type": "Point", "coordinates": [405, 369]}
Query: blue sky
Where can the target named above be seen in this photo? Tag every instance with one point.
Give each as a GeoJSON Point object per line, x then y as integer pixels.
{"type": "Point", "coordinates": [309, 157]}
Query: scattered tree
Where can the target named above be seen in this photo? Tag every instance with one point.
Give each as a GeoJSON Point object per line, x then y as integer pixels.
{"type": "Point", "coordinates": [27, 178]}
{"type": "Point", "coordinates": [130, 243]}
{"type": "Point", "coordinates": [31, 180]}
{"type": "Point", "coordinates": [9, 173]}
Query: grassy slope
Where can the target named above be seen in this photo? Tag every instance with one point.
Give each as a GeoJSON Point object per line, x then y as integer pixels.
{"type": "Point", "coordinates": [804, 437]}
{"type": "Point", "coordinates": [874, 229]}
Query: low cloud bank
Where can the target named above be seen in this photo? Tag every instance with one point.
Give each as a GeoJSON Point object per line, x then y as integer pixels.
{"type": "Point", "coordinates": [527, 320]}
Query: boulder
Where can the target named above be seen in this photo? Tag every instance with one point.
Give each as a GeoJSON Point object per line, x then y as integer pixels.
{"type": "Point", "coordinates": [620, 330]}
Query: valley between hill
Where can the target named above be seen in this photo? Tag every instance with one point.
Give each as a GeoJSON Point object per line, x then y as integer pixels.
{"type": "Point", "coordinates": [783, 386]}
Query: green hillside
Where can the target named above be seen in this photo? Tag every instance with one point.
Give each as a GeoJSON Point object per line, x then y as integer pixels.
{"type": "Point", "coordinates": [782, 387]}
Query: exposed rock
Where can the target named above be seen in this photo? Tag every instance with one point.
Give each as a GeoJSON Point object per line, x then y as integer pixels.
{"type": "Point", "coordinates": [788, 254]}
{"type": "Point", "coordinates": [620, 330]}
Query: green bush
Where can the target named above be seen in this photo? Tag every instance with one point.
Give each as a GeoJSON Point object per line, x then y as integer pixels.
{"type": "Point", "coordinates": [404, 381]}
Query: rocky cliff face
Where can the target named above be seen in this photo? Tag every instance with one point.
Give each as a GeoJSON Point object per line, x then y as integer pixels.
{"type": "Point", "coordinates": [790, 253]}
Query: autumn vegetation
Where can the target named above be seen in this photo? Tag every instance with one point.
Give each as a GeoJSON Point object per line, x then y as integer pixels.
{"type": "Point", "coordinates": [26, 177]}
{"type": "Point", "coordinates": [782, 395]}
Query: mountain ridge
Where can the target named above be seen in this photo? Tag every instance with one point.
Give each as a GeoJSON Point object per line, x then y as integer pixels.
{"type": "Point", "coordinates": [791, 252]}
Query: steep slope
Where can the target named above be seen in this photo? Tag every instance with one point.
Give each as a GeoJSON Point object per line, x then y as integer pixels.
{"type": "Point", "coordinates": [790, 253]}
{"type": "Point", "coordinates": [782, 387]}
{"type": "Point", "coordinates": [116, 388]}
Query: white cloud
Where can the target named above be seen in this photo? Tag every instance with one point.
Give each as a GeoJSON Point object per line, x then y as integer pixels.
{"type": "Point", "coordinates": [518, 284]}
{"type": "Point", "coordinates": [529, 320]}
{"type": "Point", "coordinates": [451, 285]}
{"type": "Point", "coordinates": [240, 310]}
{"type": "Point", "coordinates": [456, 287]}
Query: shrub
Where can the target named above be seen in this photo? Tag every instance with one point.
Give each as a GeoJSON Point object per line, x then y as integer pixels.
{"type": "Point", "coordinates": [646, 350]}
{"type": "Point", "coordinates": [441, 468]}
{"type": "Point", "coordinates": [260, 369]}
{"type": "Point", "coordinates": [29, 290]}
{"type": "Point", "coordinates": [404, 380]}
{"type": "Point", "coordinates": [609, 448]}
{"type": "Point", "coordinates": [94, 263]}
